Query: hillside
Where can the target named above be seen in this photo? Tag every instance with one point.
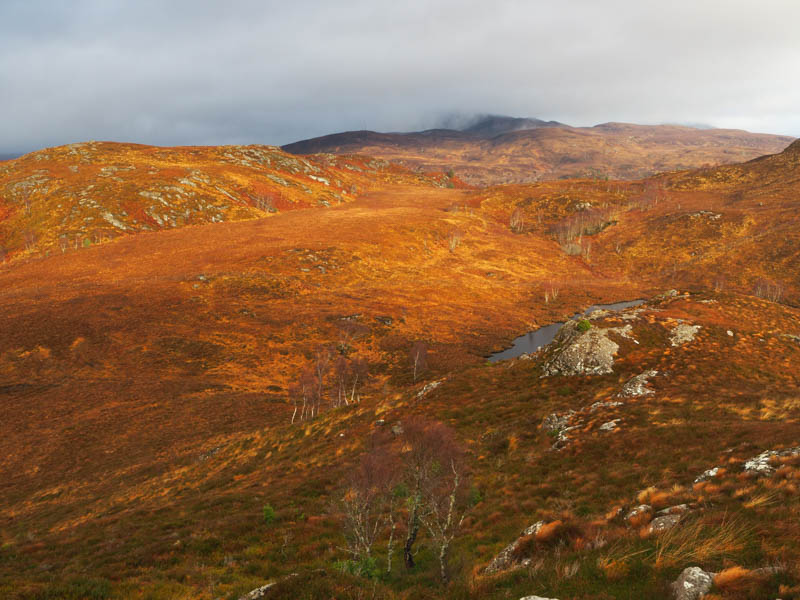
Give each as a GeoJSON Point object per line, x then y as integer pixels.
{"type": "Point", "coordinates": [73, 196]}
{"type": "Point", "coordinates": [506, 150]}
{"type": "Point", "coordinates": [148, 383]}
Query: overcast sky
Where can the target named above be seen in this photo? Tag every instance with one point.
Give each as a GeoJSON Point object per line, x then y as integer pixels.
{"type": "Point", "coordinates": [257, 71]}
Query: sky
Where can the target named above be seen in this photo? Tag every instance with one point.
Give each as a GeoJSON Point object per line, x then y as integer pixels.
{"type": "Point", "coordinates": [177, 72]}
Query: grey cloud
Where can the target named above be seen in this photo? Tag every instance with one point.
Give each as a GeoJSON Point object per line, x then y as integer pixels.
{"type": "Point", "coordinates": [247, 71]}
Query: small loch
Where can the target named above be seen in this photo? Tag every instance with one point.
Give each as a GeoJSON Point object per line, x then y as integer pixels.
{"type": "Point", "coordinates": [533, 340]}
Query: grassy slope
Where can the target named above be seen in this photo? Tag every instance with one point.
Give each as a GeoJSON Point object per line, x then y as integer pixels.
{"type": "Point", "coordinates": [151, 373]}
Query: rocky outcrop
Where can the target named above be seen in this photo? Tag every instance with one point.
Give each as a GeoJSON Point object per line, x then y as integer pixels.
{"type": "Point", "coordinates": [589, 352]}
{"type": "Point", "coordinates": [609, 425]}
{"type": "Point", "coordinates": [639, 514]}
{"type": "Point", "coordinates": [663, 523]}
{"type": "Point", "coordinates": [693, 584]}
{"type": "Point", "coordinates": [505, 559]}
{"type": "Point", "coordinates": [760, 465]}
{"type": "Point", "coordinates": [429, 387]}
{"type": "Point", "coordinates": [707, 474]}
{"type": "Point", "coordinates": [258, 593]}
{"type": "Point", "coordinates": [683, 333]}
{"type": "Point", "coordinates": [637, 386]}
{"type": "Point", "coordinates": [558, 426]}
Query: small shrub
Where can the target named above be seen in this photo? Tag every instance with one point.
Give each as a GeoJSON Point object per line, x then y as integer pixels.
{"type": "Point", "coordinates": [269, 514]}
{"type": "Point", "coordinates": [365, 567]}
{"type": "Point", "coordinates": [584, 325]}
{"type": "Point", "coordinates": [475, 496]}
{"type": "Point", "coordinates": [79, 588]}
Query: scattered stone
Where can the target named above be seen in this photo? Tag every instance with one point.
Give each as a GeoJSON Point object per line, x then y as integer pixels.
{"type": "Point", "coordinates": [705, 213]}
{"type": "Point", "coordinates": [505, 559]}
{"type": "Point", "coordinates": [663, 523]}
{"type": "Point", "coordinates": [635, 513]}
{"type": "Point", "coordinates": [760, 465]}
{"type": "Point", "coordinates": [536, 598]}
{"type": "Point", "coordinates": [557, 425]}
{"type": "Point", "coordinates": [637, 386]}
{"type": "Point", "coordinates": [678, 509]}
{"type": "Point", "coordinates": [692, 584]}
{"type": "Point", "coordinates": [730, 333]}
{"type": "Point", "coordinates": [599, 405]}
{"type": "Point", "coordinates": [683, 333]}
{"type": "Point", "coordinates": [555, 422]}
{"type": "Point", "coordinates": [707, 474]}
{"type": "Point", "coordinates": [380, 423]}
{"type": "Point", "coordinates": [609, 425]}
{"type": "Point", "coordinates": [385, 320]}
{"type": "Point", "coordinates": [354, 317]}
{"type": "Point", "coordinates": [261, 592]}
{"type": "Point", "coordinates": [429, 387]}
{"type": "Point", "coordinates": [397, 429]}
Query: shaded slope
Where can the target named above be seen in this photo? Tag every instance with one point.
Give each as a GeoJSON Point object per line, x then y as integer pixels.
{"type": "Point", "coordinates": [505, 150]}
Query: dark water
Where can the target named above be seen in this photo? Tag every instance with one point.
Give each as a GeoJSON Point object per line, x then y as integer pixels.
{"type": "Point", "coordinates": [533, 340]}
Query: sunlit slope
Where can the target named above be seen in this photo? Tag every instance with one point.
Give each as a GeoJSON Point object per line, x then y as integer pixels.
{"type": "Point", "coordinates": [65, 198]}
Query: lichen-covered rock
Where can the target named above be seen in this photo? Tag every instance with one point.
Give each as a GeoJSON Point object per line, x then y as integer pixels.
{"type": "Point", "coordinates": [558, 426]}
{"type": "Point", "coordinates": [637, 386]}
{"type": "Point", "coordinates": [556, 422]}
{"type": "Point", "coordinates": [257, 593]}
{"type": "Point", "coordinates": [760, 465]}
{"type": "Point", "coordinates": [609, 425]}
{"type": "Point", "coordinates": [707, 474]}
{"type": "Point", "coordinates": [678, 509]}
{"type": "Point", "coordinates": [429, 387]}
{"type": "Point", "coordinates": [266, 590]}
{"type": "Point", "coordinates": [683, 333]}
{"type": "Point", "coordinates": [643, 512]}
{"type": "Point", "coordinates": [599, 405]}
{"type": "Point", "coordinates": [505, 559]}
{"type": "Point", "coordinates": [692, 584]}
{"type": "Point", "coordinates": [589, 352]}
{"type": "Point", "coordinates": [663, 523]}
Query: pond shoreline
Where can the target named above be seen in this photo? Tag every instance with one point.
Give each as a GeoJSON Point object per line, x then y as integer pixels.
{"type": "Point", "coordinates": [534, 340]}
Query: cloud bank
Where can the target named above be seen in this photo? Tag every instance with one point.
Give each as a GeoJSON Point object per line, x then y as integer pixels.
{"type": "Point", "coordinates": [247, 71]}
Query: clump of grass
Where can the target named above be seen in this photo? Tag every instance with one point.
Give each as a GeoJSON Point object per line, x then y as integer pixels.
{"type": "Point", "coordinates": [584, 325]}
{"type": "Point", "coordinates": [699, 542]}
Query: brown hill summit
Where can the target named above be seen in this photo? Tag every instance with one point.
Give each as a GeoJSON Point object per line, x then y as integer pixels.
{"type": "Point", "coordinates": [508, 150]}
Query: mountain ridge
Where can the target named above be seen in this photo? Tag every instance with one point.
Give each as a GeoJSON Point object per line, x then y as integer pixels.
{"type": "Point", "coordinates": [511, 150]}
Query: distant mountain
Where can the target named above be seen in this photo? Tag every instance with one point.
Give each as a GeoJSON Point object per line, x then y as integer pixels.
{"type": "Point", "coordinates": [494, 125]}
{"type": "Point", "coordinates": [497, 149]}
